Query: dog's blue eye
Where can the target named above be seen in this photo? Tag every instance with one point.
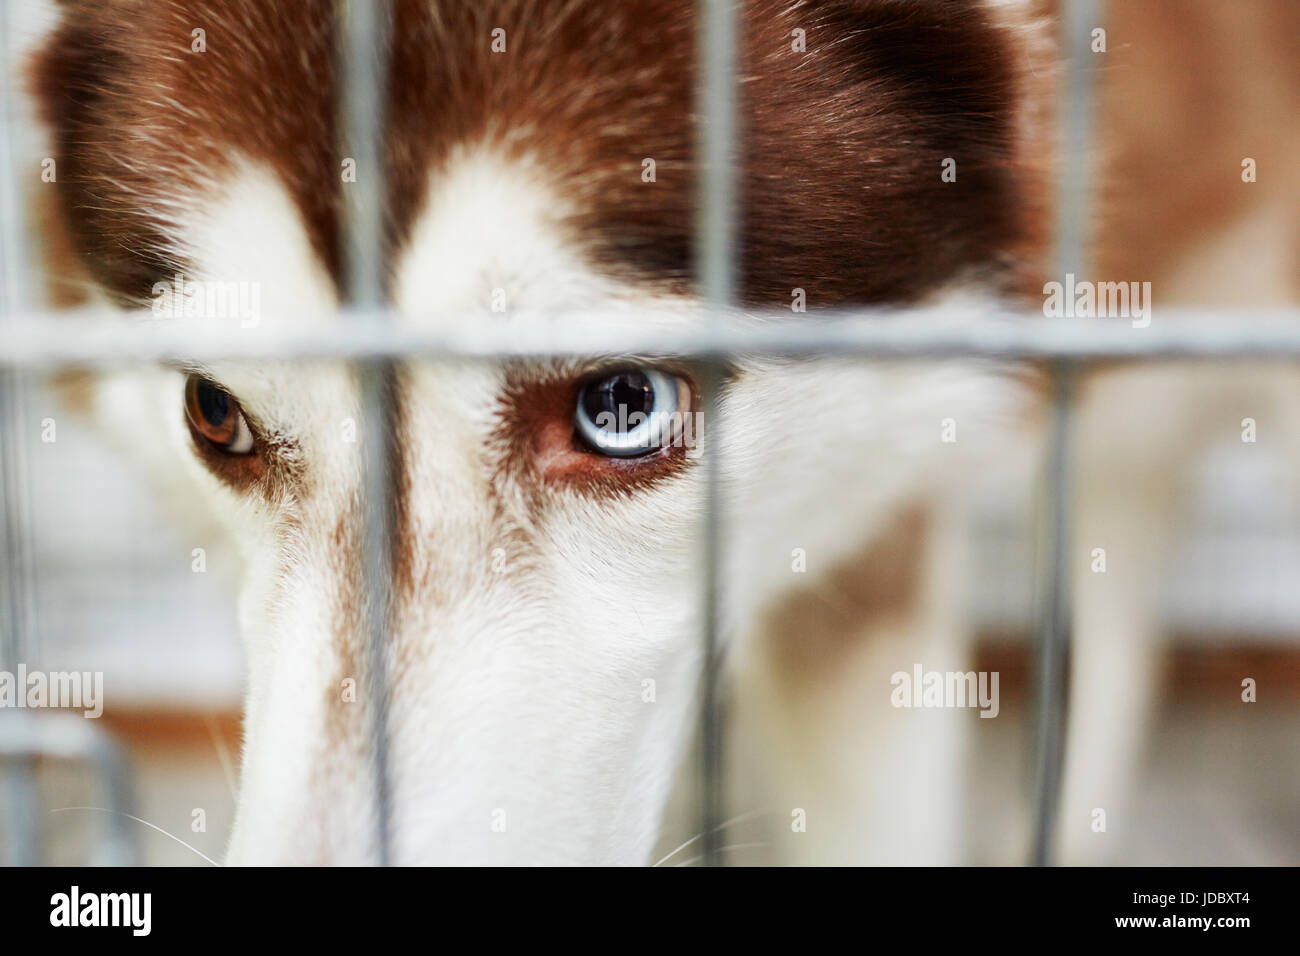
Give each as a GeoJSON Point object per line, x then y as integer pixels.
{"type": "Point", "coordinates": [632, 412]}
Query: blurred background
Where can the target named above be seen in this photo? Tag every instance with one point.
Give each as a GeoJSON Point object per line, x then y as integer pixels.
{"type": "Point", "coordinates": [1187, 89]}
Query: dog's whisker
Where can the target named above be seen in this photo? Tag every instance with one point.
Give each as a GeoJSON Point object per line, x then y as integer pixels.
{"type": "Point", "coordinates": [223, 755]}
{"type": "Point", "coordinates": [723, 849]}
{"type": "Point", "coordinates": [740, 818]}
{"type": "Point", "coordinates": [129, 816]}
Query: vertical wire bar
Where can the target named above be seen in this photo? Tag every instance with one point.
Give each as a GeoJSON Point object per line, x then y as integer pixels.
{"type": "Point", "coordinates": [1052, 650]}
{"type": "Point", "coordinates": [1052, 657]}
{"type": "Point", "coordinates": [26, 737]}
{"type": "Point", "coordinates": [715, 248]}
{"type": "Point", "coordinates": [19, 592]}
{"type": "Point", "coordinates": [20, 627]}
{"type": "Point", "coordinates": [715, 226]}
{"type": "Point", "coordinates": [365, 50]}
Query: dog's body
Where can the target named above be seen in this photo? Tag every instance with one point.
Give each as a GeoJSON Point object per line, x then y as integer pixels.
{"type": "Point", "coordinates": [1186, 79]}
{"type": "Point", "coordinates": [540, 585]}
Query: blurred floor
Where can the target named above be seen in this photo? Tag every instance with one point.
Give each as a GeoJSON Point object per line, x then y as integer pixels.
{"type": "Point", "coordinates": [183, 775]}
{"type": "Point", "coordinates": [1219, 784]}
{"type": "Point", "coordinates": [1220, 787]}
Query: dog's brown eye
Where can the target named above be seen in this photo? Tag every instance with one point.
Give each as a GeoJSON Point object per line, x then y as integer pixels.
{"type": "Point", "coordinates": [216, 417]}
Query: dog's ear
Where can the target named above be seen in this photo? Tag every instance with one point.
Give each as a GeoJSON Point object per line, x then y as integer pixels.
{"type": "Point", "coordinates": [150, 101]}
{"type": "Point", "coordinates": [72, 67]}
{"type": "Point", "coordinates": [887, 134]}
{"type": "Point", "coordinates": [77, 79]}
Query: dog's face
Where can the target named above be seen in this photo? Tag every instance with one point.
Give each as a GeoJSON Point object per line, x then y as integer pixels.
{"type": "Point", "coordinates": [544, 646]}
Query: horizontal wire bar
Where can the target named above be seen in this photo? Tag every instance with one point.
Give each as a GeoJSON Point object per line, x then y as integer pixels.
{"type": "Point", "coordinates": [927, 334]}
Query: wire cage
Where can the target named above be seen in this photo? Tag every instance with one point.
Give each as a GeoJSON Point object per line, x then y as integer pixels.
{"type": "Point", "coordinates": [30, 344]}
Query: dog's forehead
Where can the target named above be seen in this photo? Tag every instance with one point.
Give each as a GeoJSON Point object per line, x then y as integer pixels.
{"type": "Point", "coordinates": [159, 107]}
{"type": "Point", "coordinates": [849, 110]}
{"type": "Point", "coordinates": [492, 236]}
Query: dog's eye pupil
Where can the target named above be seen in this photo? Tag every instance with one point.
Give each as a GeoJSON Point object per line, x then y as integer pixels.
{"type": "Point", "coordinates": [215, 417]}
{"type": "Point", "coordinates": [630, 391]}
{"type": "Point", "coordinates": [214, 405]}
{"type": "Point", "coordinates": [630, 412]}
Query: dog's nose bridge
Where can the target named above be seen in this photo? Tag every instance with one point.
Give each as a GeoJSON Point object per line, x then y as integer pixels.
{"type": "Point", "coordinates": [451, 523]}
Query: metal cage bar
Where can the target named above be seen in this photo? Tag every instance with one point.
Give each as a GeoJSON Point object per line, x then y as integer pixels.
{"type": "Point", "coordinates": [716, 266]}
{"type": "Point", "coordinates": [25, 738]}
{"type": "Point", "coordinates": [1055, 621]}
{"type": "Point", "coordinates": [104, 339]}
{"type": "Point", "coordinates": [365, 49]}
{"type": "Point", "coordinates": [18, 617]}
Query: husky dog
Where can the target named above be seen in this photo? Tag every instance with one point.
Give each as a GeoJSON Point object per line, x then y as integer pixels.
{"type": "Point", "coordinates": [544, 651]}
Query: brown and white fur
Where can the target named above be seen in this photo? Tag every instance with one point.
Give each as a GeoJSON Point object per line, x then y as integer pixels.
{"type": "Point", "coordinates": [539, 585]}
